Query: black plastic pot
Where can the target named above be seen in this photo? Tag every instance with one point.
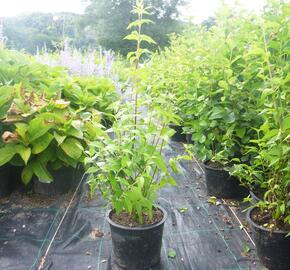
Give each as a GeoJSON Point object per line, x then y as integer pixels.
{"type": "Point", "coordinates": [64, 180]}
{"type": "Point", "coordinates": [221, 184]}
{"type": "Point", "coordinates": [136, 248]}
{"type": "Point", "coordinates": [255, 196]}
{"type": "Point", "coordinates": [10, 177]}
{"type": "Point", "coordinates": [178, 136]}
{"type": "Point", "coordinates": [273, 247]}
{"type": "Point", "coordinates": [5, 180]}
{"type": "Point", "coordinates": [189, 138]}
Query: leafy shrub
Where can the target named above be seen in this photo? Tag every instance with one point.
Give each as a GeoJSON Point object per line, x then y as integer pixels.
{"type": "Point", "coordinates": [40, 133]}
{"type": "Point", "coordinates": [47, 117]}
{"type": "Point", "coordinates": [216, 84]}
{"type": "Point", "coordinates": [231, 84]}
{"type": "Point", "coordinates": [128, 167]}
{"type": "Point", "coordinates": [271, 166]}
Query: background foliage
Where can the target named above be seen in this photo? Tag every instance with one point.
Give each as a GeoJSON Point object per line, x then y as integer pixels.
{"type": "Point", "coordinates": [103, 24]}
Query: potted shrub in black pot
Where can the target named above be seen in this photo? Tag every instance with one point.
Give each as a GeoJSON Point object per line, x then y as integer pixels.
{"type": "Point", "coordinates": [179, 135]}
{"type": "Point", "coordinates": [129, 170]}
{"type": "Point", "coordinates": [220, 133]}
{"type": "Point", "coordinates": [217, 167]}
{"type": "Point", "coordinates": [223, 116]}
{"type": "Point", "coordinates": [251, 176]}
{"type": "Point", "coordinates": [47, 138]}
{"type": "Point", "coordinates": [270, 217]}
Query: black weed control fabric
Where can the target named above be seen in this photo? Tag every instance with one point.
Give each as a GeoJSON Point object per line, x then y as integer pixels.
{"type": "Point", "coordinates": [204, 237]}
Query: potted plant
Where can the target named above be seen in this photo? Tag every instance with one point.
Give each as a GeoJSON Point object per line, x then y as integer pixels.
{"type": "Point", "coordinates": [47, 119]}
{"type": "Point", "coordinates": [129, 169]}
{"type": "Point", "coordinates": [45, 137]}
{"type": "Point", "coordinates": [270, 217]}
{"type": "Point", "coordinates": [224, 114]}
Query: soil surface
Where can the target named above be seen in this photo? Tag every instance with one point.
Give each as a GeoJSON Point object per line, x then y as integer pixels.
{"type": "Point", "coordinates": [32, 200]}
{"type": "Point", "coordinates": [265, 219]}
{"type": "Point", "coordinates": [126, 219]}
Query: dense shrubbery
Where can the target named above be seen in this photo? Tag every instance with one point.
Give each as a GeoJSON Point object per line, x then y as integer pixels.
{"type": "Point", "coordinates": [228, 84]}
{"type": "Point", "coordinates": [231, 88]}
{"type": "Point", "coordinates": [47, 116]}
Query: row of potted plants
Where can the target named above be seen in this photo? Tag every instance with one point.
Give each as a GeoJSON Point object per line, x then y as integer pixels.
{"type": "Point", "coordinates": [231, 88]}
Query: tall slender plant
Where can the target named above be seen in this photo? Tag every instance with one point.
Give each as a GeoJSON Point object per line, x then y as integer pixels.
{"type": "Point", "coordinates": [128, 168]}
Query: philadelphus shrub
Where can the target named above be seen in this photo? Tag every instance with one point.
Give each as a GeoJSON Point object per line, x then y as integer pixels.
{"type": "Point", "coordinates": [231, 82]}
{"type": "Point", "coordinates": [128, 167]}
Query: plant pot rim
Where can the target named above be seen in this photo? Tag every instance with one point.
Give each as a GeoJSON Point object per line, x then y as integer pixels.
{"type": "Point", "coordinates": [212, 168]}
{"type": "Point", "coordinates": [254, 195]}
{"type": "Point", "coordinates": [139, 228]}
{"type": "Point", "coordinates": [175, 125]}
{"type": "Point", "coordinates": [254, 224]}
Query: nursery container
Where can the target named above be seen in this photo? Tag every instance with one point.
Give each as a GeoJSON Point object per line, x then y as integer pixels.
{"type": "Point", "coordinates": [178, 136]}
{"type": "Point", "coordinates": [189, 138]}
{"type": "Point", "coordinates": [221, 184]}
{"type": "Point", "coordinates": [5, 180]}
{"type": "Point", "coordinates": [136, 248]}
{"type": "Point", "coordinates": [10, 176]}
{"type": "Point", "coordinates": [256, 194]}
{"type": "Point", "coordinates": [273, 247]}
{"type": "Point", "coordinates": [64, 180]}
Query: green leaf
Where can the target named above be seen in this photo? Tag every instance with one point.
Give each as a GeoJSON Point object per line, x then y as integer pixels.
{"type": "Point", "coordinates": [223, 84]}
{"type": "Point", "coordinates": [7, 153]}
{"type": "Point", "coordinates": [73, 148]}
{"type": "Point", "coordinates": [171, 253]}
{"type": "Point", "coordinates": [183, 209]}
{"type": "Point", "coordinates": [38, 127]}
{"type": "Point", "coordinates": [21, 129]}
{"type": "Point", "coordinates": [66, 159]}
{"type": "Point", "coordinates": [173, 164]}
{"type": "Point", "coordinates": [241, 132]}
{"type": "Point", "coordinates": [26, 174]}
{"type": "Point", "coordinates": [230, 118]}
{"type": "Point", "coordinates": [41, 172]}
{"type": "Point", "coordinates": [24, 152]}
{"type": "Point", "coordinates": [5, 100]}
{"type": "Point", "coordinates": [139, 22]}
{"type": "Point", "coordinates": [172, 181]}
{"type": "Point", "coordinates": [286, 123]}
{"type": "Point", "coordinates": [128, 204]}
{"type": "Point", "coordinates": [49, 154]}
{"type": "Point", "coordinates": [91, 170]}
{"type": "Point", "coordinates": [135, 36]}
{"type": "Point", "coordinates": [158, 160]}
{"type": "Point", "coordinates": [59, 138]}
{"type": "Point", "coordinates": [246, 249]}
{"type": "Point", "coordinates": [41, 143]}
{"type": "Point", "coordinates": [147, 39]}
{"type": "Point", "coordinates": [132, 36]}
{"type": "Point", "coordinates": [77, 133]}
{"type": "Point", "coordinates": [217, 113]}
